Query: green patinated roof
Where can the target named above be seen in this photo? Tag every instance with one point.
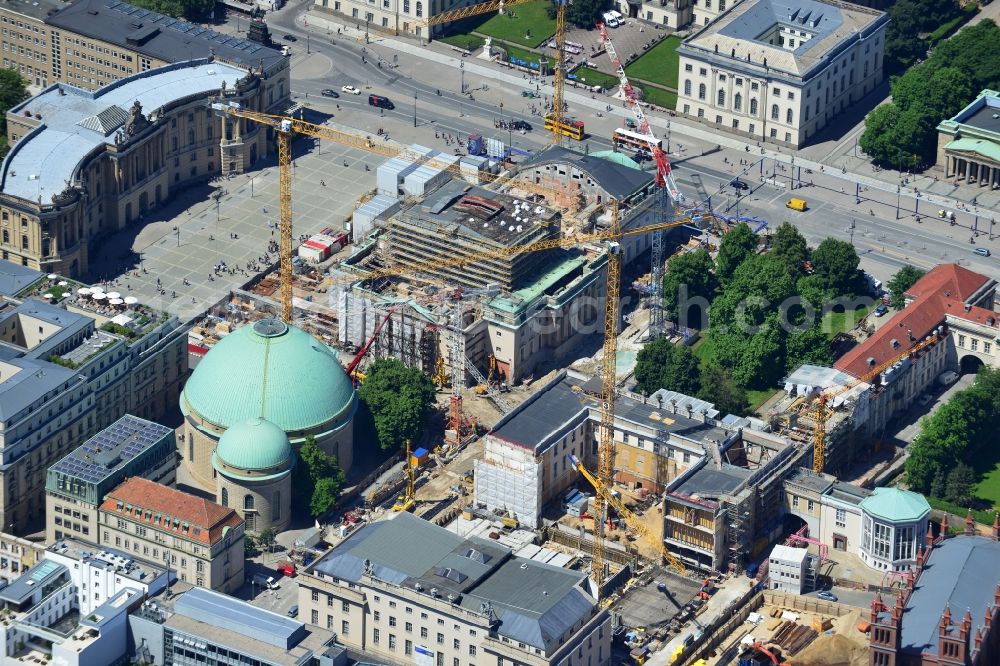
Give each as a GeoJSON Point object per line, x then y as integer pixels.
{"type": "Point", "coordinates": [895, 505]}
{"type": "Point", "coordinates": [273, 371]}
{"type": "Point", "coordinates": [617, 158]}
{"type": "Point", "coordinates": [987, 149]}
{"type": "Point", "coordinates": [254, 445]}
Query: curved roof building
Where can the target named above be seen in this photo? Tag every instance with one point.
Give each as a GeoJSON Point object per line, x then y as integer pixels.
{"type": "Point", "coordinates": [260, 392]}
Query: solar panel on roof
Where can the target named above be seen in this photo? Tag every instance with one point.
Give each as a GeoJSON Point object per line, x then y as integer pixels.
{"type": "Point", "coordinates": [198, 31]}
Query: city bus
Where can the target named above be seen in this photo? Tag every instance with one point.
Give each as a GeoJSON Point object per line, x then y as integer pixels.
{"type": "Point", "coordinates": [571, 128]}
{"type": "Point", "coordinates": [629, 140]}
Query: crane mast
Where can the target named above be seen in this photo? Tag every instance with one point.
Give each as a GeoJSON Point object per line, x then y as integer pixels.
{"type": "Point", "coordinates": [558, 80]}
{"type": "Point", "coordinates": [285, 217]}
{"type": "Point", "coordinates": [606, 440]}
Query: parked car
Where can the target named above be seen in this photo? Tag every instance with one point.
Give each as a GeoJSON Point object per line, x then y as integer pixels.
{"type": "Point", "coordinates": [881, 310]}
{"type": "Point", "coordinates": [948, 377]}
{"type": "Point", "coordinates": [293, 611]}
{"type": "Point", "coordinates": [982, 251]}
{"type": "Point", "coordinates": [330, 93]}
{"type": "Point", "coordinates": [291, 38]}
{"type": "Point", "coordinates": [925, 400]}
{"type": "Point", "coordinates": [827, 596]}
{"type": "Point", "coordinates": [350, 90]}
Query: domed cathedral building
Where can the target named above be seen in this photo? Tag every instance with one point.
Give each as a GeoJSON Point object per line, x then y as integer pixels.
{"type": "Point", "coordinates": [253, 474]}
{"type": "Point", "coordinates": [262, 380]}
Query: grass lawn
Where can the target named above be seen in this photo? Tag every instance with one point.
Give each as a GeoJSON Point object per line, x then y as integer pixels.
{"type": "Point", "coordinates": [704, 352]}
{"type": "Point", "coordinates": [592, 77]}
{"type": "Point", "coordinates": [531, 18]}
{"type": "Point", "coordinates": [467, 42]}
{"type": "Point", "coordinates": [659, 97]}
{"type": "Point", "coordinates": [835, 322]}
{"type": "Point", "coordinates": [988, 487]}
{"type": "Point", "coordinates": [703, 349]}
{"type": "Point", "coordinates": [659, 64]}
{"type": "Point", "coordinates": [758, 398]}
{"type": "Point", "coordinates": [521, 54]}
{"type": "Point", "coordinates": [984, 517]}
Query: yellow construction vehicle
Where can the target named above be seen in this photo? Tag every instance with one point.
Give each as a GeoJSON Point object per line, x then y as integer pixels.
{"type": "Point", "coordinates": [440, 377]}
{"type": "Point", "coordinates": [632, 520]}
{"type": "Point", "coordinates": [407, 500]}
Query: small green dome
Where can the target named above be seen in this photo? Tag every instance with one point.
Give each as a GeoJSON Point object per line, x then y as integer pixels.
{"type": "Point", "coordinates": [273, 371]}
{"type": "Point", "coordinates": [254, 445]}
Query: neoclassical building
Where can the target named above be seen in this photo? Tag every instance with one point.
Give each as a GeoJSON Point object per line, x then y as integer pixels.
{"type": "Point", "coordinates": [969, 143]}
{"type": "Point", "coordinates": [85, 164]}
{"type": "Point", "coordinates": [266, 371]}
{"type": "Point", "coordinates": [253, 466]}
{"type": "Point", "coordinates": [780, 71]}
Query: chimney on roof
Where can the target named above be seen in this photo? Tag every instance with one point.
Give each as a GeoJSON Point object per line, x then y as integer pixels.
{"type": "Point", "coordinates": [944, 528]}
{"type": "Point", "coordinates": [716, 48]}
{"type": "Point", "coordinates": [970, 523]}
{"type": "Point", "coordinates": [996, 526]}
{"type": "Point", "coordinates": [871, 362]}
{"type": "Point", "coordinates": [909, 334]}
{"type": "Point", "coordinates": [967, 307]}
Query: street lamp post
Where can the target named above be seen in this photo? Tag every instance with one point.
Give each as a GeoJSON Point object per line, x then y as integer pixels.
{"type": "Point", "coordinates": [307, 44]}
{"type": "Point", "coordinates": [177, 230]}
{"type": "Point", "coordinates": [898, 192]}
{"type": "Point", "coordinates": [414, 108]}
{"type": "Point", "coordinates": [668, 136]}
{"type": "Point", "coordinates": [461, 68]}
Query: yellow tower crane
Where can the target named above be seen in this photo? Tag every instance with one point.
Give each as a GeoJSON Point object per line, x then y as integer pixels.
{"type": "Point", "coordinates": [407, 500]}
{"type": "Point", "coordinates": [286, 128]}
{"type": "Point", "coordinates": [635, 522]}
{"type": "Point", "coordinates": [822, 412]}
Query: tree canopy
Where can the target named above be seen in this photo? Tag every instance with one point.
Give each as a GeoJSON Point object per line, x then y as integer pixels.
{"type": "Point", "coordinates": [13, 91]}
{"type": "Point", "coordinates": [961, 431]}
{"type": "Point", "coordinates": [318, 479]}
{"type": "Point", "coordinates": [662, 365]}
{"type": "Point", "coordinates": [909, 21]}
{"type": "Point", "coordinates": [689, 276]}
{"type": "Point", "coordinates": [189, 9]}
{"type": "Point", "coordinates": [719, 388]}
{"type": "Point", "coordinates": [790, 246]}
{"type": "Point", "coordinates": [585, 13]}
{"type": "Point", "coordinates": [836, 263]}
{"type": "Point", "coordinates": [735, 247]}
{"type": "Point", "coordinates": [903, 134]}
{"type": "Point", "coordinates": [904, 278]}
{"type": "Point", "coordinates": [399, 399]}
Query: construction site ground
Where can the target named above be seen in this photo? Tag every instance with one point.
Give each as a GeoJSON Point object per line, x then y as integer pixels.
{"type": "Point", "coordinates": [645, 606]}
{"type": "Point", "coordinates": [843, 646]}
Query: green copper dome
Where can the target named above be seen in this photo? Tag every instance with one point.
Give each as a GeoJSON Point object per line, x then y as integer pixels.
{"type": "Point", "coordinates": [272, 371]}
{"type": "Point", "coordinates": [254, 445]}
{"type": "Point", "coordinates": [895, 505]}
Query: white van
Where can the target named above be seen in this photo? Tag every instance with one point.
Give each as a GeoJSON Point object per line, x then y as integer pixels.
{"type": "Point", "coordinates": [618, 17]}
{"type": "Point", "coordinates": [610, 20]}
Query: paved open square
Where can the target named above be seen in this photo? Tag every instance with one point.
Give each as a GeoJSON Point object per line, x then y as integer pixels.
{"type": "Point", "coordinates": [168, 257]}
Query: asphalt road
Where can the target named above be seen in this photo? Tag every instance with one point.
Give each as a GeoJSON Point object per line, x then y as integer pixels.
{"type": "Point", "coordinates": [887, 237]}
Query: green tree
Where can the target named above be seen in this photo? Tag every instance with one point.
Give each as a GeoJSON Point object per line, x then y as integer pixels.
{"type": "Point", "coordinates": [719, 388]}
{"type": "Point", "coordinates": [267, 538]}
{"type": "Point", "coordinates": [836, 263]}
{"type": "Point", "coordinates": [318, 478]}
{"type": "Point", "coordinates": [813, 289]}
{"type": "Point", "coordinates": [878, 141]}
{"type": "Point", "coordinates": [810, 346]}
{"type": "Point", "coordinates": [737, 245]}
{"type": "Point", "coordinates": [961, 483]}
{"type": "Point", "coordinates": [938, 487]}
{"type": "Point", "coordinates": [249, 545]}
{"type": "Point", "coordinates": [754, 361]}
{"type": "Point", "coordinates": [399, 399]}
{"type": "Point", "coordinates": [758, 287]}
{"type": "Point", "coordinates": [904, 278]}
{"type": "Point", "coordinates": [189, 9]}
{"type": "Point", "coordinates": [662, 365]}
{"type": "Point", "coordinates": [13, 91]}
{"type": "Point", "coordinates": [583, 13]}
{"type": "Point", "coordinates": [788, 245]}
{"type": "Point", "coordinates": [690, 276]}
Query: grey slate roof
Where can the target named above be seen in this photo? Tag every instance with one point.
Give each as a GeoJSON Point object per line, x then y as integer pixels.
{"type": "Point", "coordinates": [553, 407]}
{"type": "Point", "coordinates": [961, 573]}
{"type": "Point", "coordinates": [45, 159]}
{"type": "Point", "coordinates": [153, 34]}
{"type": "Point", "coordinates": [111, 449]}
{"type": "Point", "coordinates": [536, 603]}
{"type": "Point", "coordinates": [36, 9]}
{"type": "Point", "coordinates": [33, 380]}
{"type": "Point", "coordinates": [32, 580]}
{"type": "Point", "coordinates": [15, 277]}
{"type": "Point", "coordinates": [619, 181]}
{"type": "Point", "coordinates": [70, 324]}
{"type": "Point", "coordinates": [710, 483]}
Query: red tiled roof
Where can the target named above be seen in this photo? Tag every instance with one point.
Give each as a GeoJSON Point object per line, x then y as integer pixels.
{"type": "Point", "coordinates": [950, 280]}
{"type": "Point", "coordinates": [942, 291]}
{"type": "Point", "coordinates": [206, 520]}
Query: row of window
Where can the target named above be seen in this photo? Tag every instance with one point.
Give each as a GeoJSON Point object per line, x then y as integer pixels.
{"type": "Point", "coordinates": [974, 344]}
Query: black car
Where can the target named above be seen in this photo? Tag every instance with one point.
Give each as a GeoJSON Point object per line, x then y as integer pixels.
{"type": "Point", "coordinates": [739, 184]}
{"type": "Point", "coordinates": [291, 38]}
{"type": "Point", "coordinates": [330, 93]}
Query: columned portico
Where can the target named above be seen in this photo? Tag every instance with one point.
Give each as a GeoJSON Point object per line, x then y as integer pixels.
{"type": "Point", "coordinates": [974, 171]}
